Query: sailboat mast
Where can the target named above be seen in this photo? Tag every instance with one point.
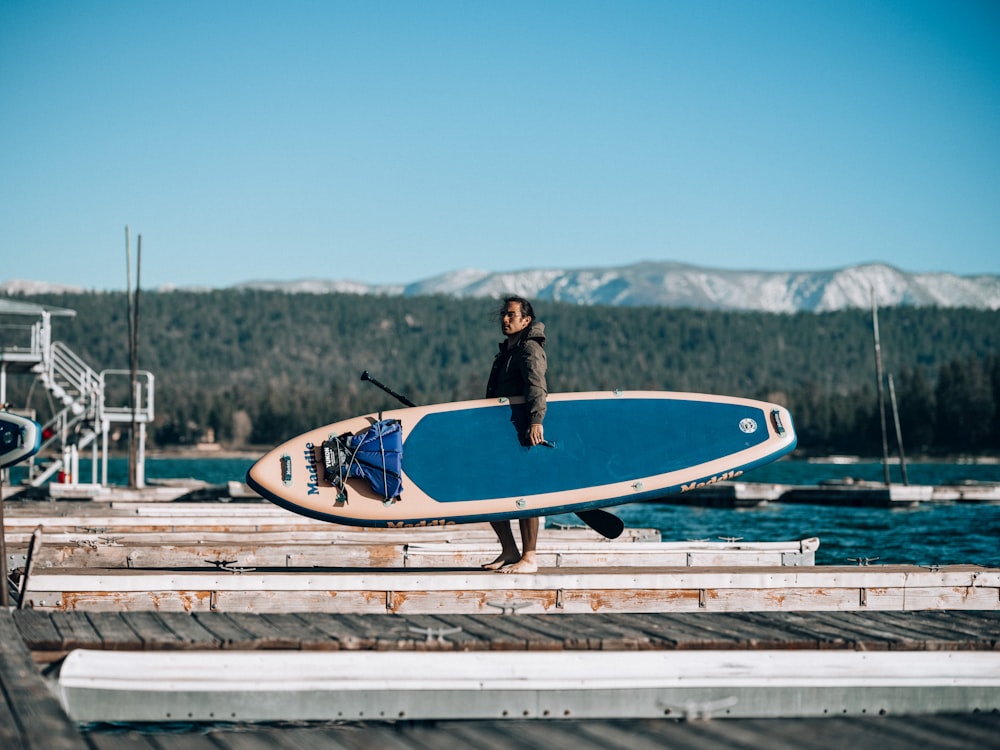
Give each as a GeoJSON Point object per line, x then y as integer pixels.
{"type": "Point", "coordinates": [881, 390]}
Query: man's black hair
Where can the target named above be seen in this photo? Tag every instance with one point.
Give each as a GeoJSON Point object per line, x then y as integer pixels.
{"type": "Point", "coordinates": [526, 309]}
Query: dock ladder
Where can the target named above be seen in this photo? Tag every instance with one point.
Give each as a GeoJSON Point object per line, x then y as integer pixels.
{"type": "Point", "coordinates": [85, 403]}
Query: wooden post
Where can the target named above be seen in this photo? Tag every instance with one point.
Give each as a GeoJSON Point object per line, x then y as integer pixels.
{"type": "Point", "coordinates": [34, 547]}
{"type": "Point", "coordinates": [133, 350]}
{"type": "Point", "coordinates": [899, 432]}
{"type": "Point", "coordinates": [131, 339]}
{"type": "Point", "coordinates": [134, 369]}
{"type": "Point", "coordinates": [881, 391]}
{"type": "Point", "coordinates": [4, 594]}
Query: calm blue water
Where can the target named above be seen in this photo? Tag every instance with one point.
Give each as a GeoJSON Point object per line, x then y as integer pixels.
{"type": "Point", "coordinates": [932, 534]}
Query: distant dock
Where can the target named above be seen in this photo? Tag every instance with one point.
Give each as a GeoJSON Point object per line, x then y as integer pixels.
{"type": "Point", "coordinates": [849, 493]}
{"type": "Point", "coordinates": [729, 494]}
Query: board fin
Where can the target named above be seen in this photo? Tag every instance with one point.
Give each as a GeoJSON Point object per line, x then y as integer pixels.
{"type": "Point", "coordinates": [606, 524]}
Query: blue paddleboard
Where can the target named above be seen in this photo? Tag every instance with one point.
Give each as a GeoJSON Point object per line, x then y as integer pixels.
{"type": "Point", "coordinates": [462, 462]}
{"type": "Point", "coordinates": [20, 438]}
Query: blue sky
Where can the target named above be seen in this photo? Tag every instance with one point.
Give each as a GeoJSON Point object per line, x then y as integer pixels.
{"type": "Point", "coordinates": [392, 141]}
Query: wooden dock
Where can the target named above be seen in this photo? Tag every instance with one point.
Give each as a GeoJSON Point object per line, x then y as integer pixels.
{"type": "Point", "coordinates": [50, 636]}
{"type": "Point", "coordinates": [847, 493]}
{"type": "Point", "coordinates": [205, 590]}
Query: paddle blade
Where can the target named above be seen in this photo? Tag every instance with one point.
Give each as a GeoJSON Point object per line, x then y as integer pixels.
{"type": "Point", "coordinates": [606, 524]}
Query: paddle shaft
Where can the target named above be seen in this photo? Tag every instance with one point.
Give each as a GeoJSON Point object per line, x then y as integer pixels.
{"type": "Point", "coordinates": [398, 396]}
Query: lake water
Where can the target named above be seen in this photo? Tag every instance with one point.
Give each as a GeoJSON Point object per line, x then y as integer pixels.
{"type": "Point", "coordinates": [931, 534]}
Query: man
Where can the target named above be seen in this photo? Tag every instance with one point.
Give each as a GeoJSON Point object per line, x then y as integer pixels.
{"type": "Point", "coordinates": [519, 370]}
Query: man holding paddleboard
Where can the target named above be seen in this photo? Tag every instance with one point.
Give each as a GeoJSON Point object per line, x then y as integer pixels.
{"type": "Point", "coordinates": [519, 370]}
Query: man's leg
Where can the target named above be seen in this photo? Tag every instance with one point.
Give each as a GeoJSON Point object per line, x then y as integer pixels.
{"type": "Point", "coordinates": [529, 541]}
{"type": "Point", "coordinates": [508, 547]}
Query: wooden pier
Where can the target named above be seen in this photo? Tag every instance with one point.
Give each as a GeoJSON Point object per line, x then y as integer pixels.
{"type": "Point", "coordinates": [199, 591]}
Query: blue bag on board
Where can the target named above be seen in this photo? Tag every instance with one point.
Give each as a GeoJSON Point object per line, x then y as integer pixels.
{"type": "Point", "coordinates": [376, 455]}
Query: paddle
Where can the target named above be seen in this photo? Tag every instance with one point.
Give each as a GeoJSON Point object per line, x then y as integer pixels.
{"type": "Point", "coordinates": [606, 524]}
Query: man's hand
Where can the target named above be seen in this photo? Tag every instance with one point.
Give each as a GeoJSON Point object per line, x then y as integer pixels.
{"type": "Point", "coordinates": [536, 435]}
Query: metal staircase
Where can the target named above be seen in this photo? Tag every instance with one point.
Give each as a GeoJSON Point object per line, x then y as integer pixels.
{"type": "Point", "coordinates": [86, 403]}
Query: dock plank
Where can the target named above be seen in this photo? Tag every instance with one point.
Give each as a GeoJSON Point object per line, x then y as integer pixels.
{"type": "Point", "coordinates": [223, 629]}
{"type": "Point", "coordinates": [77, 631]}
{"type": "Point", "coordinates": [678, 632]}
{"type": "Point", "coordinates": [553, 590]}
{"type": "Point", "coordinates": [922, 635]}
{"type": "Point", "coordinates": [329, 626]}
{"type": "Point", "coordinates": [265, 634]}
{"type": "Point", "coordinates": [670, 631]}
{"type": "Point", "coordinates": [154, 632]}
{"type": "Point", "coordinates": [501, 636]}
{"type": "Point", "coordinates": [190, 631]}
{"type": "Point", "coordinates": [799, 626]}
{"type": "Point", "coordinates": [164, 551]}
{"type": "Point", "coordinates": [983, 627]}
{"type": "Point", "coordinates": [867, 632]}
{"type": "Point", "coordinates": [307, 637]}
{"type": "Point", "coordinates": [32, 717]}
{"type": "Point", "coordinates": [36, 627]}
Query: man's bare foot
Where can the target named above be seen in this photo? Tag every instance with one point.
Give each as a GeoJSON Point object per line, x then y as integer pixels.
{"type": "Point", "coordinates": [502, 561]}
{"type": "Point", "coordinates": [521, 566]}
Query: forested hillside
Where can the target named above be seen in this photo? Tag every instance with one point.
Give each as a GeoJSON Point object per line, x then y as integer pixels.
{"type": "Point", "coordinates": [256, 367]}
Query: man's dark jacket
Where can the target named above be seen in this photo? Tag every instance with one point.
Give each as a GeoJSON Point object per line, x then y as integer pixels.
{"type": "Point", "coordinates": [519, 370]}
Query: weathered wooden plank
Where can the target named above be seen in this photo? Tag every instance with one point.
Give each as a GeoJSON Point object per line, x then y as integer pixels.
{"type": "Point", "coordinates": [402, 633]}
{"type": "Point", "coordinates": [621, 734]}
{"type": "Point", "coordinates": [77, 631]}
{"type": "Point", "coordinates": [115, 633]}
{"type": "Point", "coordinates": [36, 627]}
{"type": "Point", "coordinates": [252, 554]}
{"type": "Point", "coordinates": [724, 628]}
{"type": "Point", "coordinates": [499, 632]}
{"type": "Point", "coordinates": [542, 633]}
{"type": "Point", "coordinates": [10, 735]}
{"type": "Point", "coordinates": [983, 626]}
{"type": "Point", "coordinates": [777, 626]}
{"type": "Point", "coordinates": [799, 626]}
{"type": "Point", "coordinates": [153, 632]}
{"type": "Point", "coordinates": [485, 735]}
{"type": "Point", "coordinates": [665, 631]}
{"type": "Point", "coordinates": [292, 537]}
{"type": "Point", "coordinates": [463, 600]}
{"type": "Point", "coordinates": [265, 634]}
{"type": "Point", "coordinates": [857, 631]}
{"type": "Point", "coordinates": [190, 632]}
{"type": "Point", "coordinates": [472, 599]}
{"type": "Point", "coordinates": [605, 632]}
{"type": "Point", "coordinates": [873, 633]}
{"type": "Point", "coordinates": [380, 632]}
{"type": "Point", "coordinates": [961, 728]}
{"type": "Point", "coordinates": [33, 718]}
{"type": "Point", "coordinates": [559, 735]}
{"type": "Point", "coordinates": [802, 631]}
{"type": "Point", "coordinates": [757, 633]}
{"type": "Point", "coordinates": [908, 632]}
{"type": "Point", "coordinates": [332, 628]}
{"type": "Point", "coordinates": [551, 590]}
{"type": "Point", "coordinates": [439, 633]}
{"type": "Point", "coordinates": [228, 633]}
{"type": "Point", "coordinates": [308, 637]}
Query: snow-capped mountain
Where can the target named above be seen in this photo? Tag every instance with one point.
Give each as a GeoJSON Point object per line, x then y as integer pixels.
{"type": "Point", "coordinates": [678, 285]}
{"type": "Point", "coordinates": [668, 284]}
